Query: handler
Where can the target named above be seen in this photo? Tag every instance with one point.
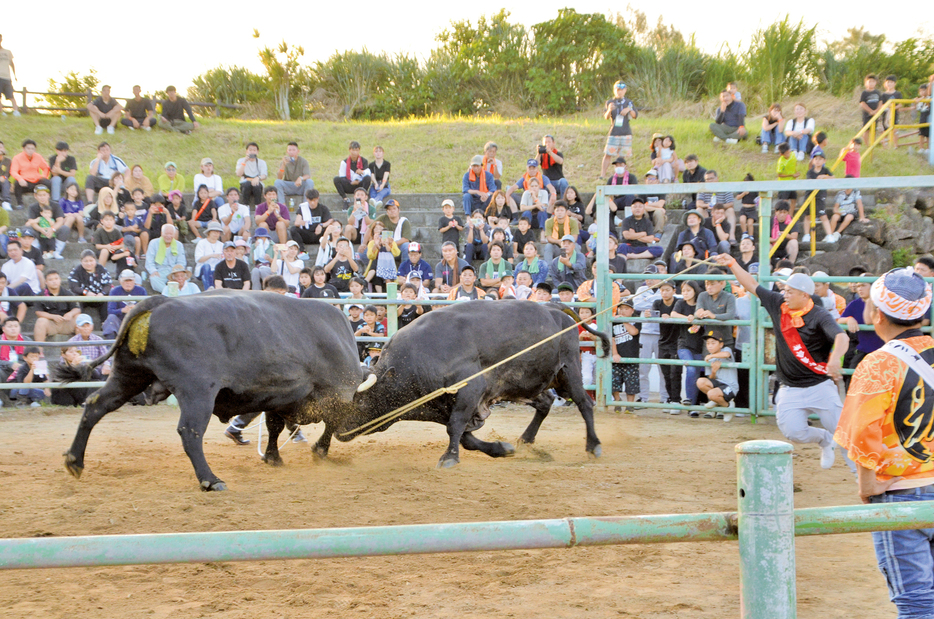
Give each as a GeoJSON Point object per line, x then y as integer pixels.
{"type": "Point", "coordinates": [886, 427]}
{"type": "Point", "coordinates": [809, 347]}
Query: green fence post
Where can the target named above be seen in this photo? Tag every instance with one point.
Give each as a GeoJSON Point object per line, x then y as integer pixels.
{"type": "Point", "coordinates": [392, 316]}
{"type": "Point", "coordinates": [604, 299]}
{"type": "Point", "coordinates": [766, 530]}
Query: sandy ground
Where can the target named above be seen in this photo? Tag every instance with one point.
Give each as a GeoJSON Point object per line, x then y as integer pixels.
{"type": "Point", "coordinates": [138, 480]}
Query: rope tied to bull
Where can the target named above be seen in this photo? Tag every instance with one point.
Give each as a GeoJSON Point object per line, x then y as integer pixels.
{"type": "Point", "coordinates": [371, 425]}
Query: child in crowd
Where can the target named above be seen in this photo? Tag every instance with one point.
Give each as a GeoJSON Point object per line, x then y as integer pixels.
{"type": "Point", "coordinates": [450, 225]}
{"type": "Point", "coordinates": [46, 233]}
{"type": "Point", "coordinates": [133, 226]}
{"type": "Point", "coordinates": [109, 243]}
{"type": "Point", "coordinates": [354, 315]}
{"type": "Point", "coordinates": [847, 205]}
{"type": "Point", "coordinates": [817, 170]}
{"type": "Point", "coordinates": [852, 160]}
{"type": "Point", "coordinates": [304, 280]}
{"type": "Point", "coordinates": [370, 328]}
{"type": "Point", "coordinates": [625, 344]}
{"type": "Point", "coordinates": [787, 168]}
{"type": "Point", "coordinates": [73, 209]}
{"type": "Point", "coordinates": [408, 313]}
{"type": "Point", "coordinates": [870, 99]}
{"type": "Point", "coordinates": [356, 286]}
{"type": "Point", "coordinates": [719, 384]}
{"type": "Point", "coordinates": [789, 247]}
{"type": "Point", "coordinates": [889, 93]}
{"type": "Point", "coordinates": [749, 212]}
{"type": "Point", "coordinates": [923, 107]}
{"type": "Point", "coordinates": [668, 343]}
{"type": "Point", "coordinates": [523, 234]}
{"type": "Point", "coordinates": [588, 353]}
{"type": "Point", "coordinates": [32, 369]}
{"type": "Point", "coordinates": [373, 352]}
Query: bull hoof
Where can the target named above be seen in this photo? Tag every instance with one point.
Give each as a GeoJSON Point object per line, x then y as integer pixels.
{"type": "Point", "coordinates": [508, 450]}
{"type": "Point", "coordinates": [596, 452]}
{"type": "Point", "coordinates": [277, 461]}
{"type": "Point", "coordinates": [319, 454]}
{"type": "Point", "coordinates": [447, 463]}
{"type": "Point", "coordinates": [215, 486]}
{"type": "Point", "coordinates": [71, 464]}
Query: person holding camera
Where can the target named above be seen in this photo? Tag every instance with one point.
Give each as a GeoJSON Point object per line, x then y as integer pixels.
{"type": "Point", "coordinates": [294, 175]}
{"type": "Point", "coordinates": [478, 237]}
{"type": "Point", "coordinates": [619, 141]}
{"type": "Point", "coordinates": [552, 163]}
{"type": "Point", "coordinates": [360, 215]}
{"type": "Point", "coordinates": [252, 172]}
{"type": "Point", "coordinates": [571, 265]}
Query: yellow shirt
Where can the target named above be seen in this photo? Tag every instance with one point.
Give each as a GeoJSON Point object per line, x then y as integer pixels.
{"type": "Point", "coordinates": [786, 168]}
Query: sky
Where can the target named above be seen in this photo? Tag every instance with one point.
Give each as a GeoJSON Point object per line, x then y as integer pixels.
{"type": "Point", "coordinates": [158, 50]}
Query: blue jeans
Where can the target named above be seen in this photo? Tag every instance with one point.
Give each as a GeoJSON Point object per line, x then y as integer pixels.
{"type": "Point", "coordinates": [207, 276]}
{"type": "Point", "coordinates": [772, 136]}
{"type": "Point", "coordinates": [59, 185]}
{"type": "Point", "coordinates": [691, 373]}
{"type": "Point", "coordinates": [799, 144]}
{"type": "Point", "coordinates": [33, 395]}
{"type": "Point", "coordinates": [380, 194]}
{"type": "Point", "coordinates": [474, 203]}
{"type": "Point", "coordinates": [288, 188]}
{"type": "Point", "coordinates": [906, 559]}
{"type": "Point", "coordinates": [561, 185]}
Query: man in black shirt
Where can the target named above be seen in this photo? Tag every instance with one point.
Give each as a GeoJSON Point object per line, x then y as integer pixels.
{"type": "Point", "coordinates": [639, 234]}
{"type": "Point", "coordinates": [551, 161]}
{"type": "Point", "coordinates": [174, 109]}
{"type": "Point", "coordinates": [104, 111]}
{"type": "Point", "coordinates": [63, 169]}
{"type": "Point", "coordinates": [231, 273]}
{"type": "Point", "coordinates": [809, 346]}
{"type": "Point", "coordinates": [54, 317]}
{"type": "Point", "coordinates": [668, 342]}
{"type": "Point", "coordinates": [311, 220]}
{"type": "Point", "coordinates": [693, 173]}
{"type": "Point", "coordinates": [139, 112]}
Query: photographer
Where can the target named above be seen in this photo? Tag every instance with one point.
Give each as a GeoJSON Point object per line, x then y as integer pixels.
{"type": "Point", "coordinates": [552, 163]}
{"type": "Point", "coordinates": [252, 172]}
{"type": "Point", "coordinates": [571, 266]}
{"type": "Point", "coordinates": [311, 220]}
{"type": "Point", "coordinates": [360, 215]}
{"type": "Point", "coordinates": [478, 236]}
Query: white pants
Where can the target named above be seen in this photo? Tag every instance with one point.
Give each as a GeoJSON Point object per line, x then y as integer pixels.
{"type": "Point", "coordinates": [795, 404]}
{"type": "Point", "coordinates": [588, 367]}
{"type": "Point", "coordinates": [648, 348]}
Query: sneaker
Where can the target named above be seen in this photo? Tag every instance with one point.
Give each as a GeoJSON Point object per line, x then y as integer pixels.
{"type": "Point", "coordinates": [711, 404]}
{"type": "Point", "coordinates": [719, 415]}
{"type": "Point", "coordinates": [16, 114]}
{"type": "Point", "coordinates": [827, 456]}
{"type": "Point", "coordinates": [806, 238]}
{"type": "Point", "coordinates": [674, 411]}
{"type": "Point", "coordinates": [765, 148]}
{"type": "Point", "coordinates": [57, 256]}
{"type": "Point", "coordinates": [709, 415]}
{"type": "Point", "coordinates": [6, 206]}
{"type": "Point", "coordinates": [236, 436]}
{"type": "Point", "coordinates": [694, 414]}
{"type": "Point", "coordinates": [98, 130]}
{"type": "Point", "coordinates": [110, 130]}
{"type": "Point", "coordinates": [800, 155]}
{"type": "Point", "coordinates": [304, 256]}
{"type": "Point", "coordinates": [131, 128]}
{"type": "Point", "coordinates": [728, 417]}
{"type": "Point", "coordinates": [833, 237]}
{"type": "Point", "coordinates": [299, 438]}
{"type": "Point", "coordinates": [81, 239]}
{"type": "Point", "coordinates": [716, 139]}
{"type": "Point", "coordinates": [776, 149]}
{"type": "Point", "coordinates": [147, 128]}
{"type": "Point", "coordinates": [34, 404]}
{"type": "Point", "coordinates": [732, 141]}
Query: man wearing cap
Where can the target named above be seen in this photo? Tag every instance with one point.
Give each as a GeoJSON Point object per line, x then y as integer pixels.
{"type": "Point", "coordinates": [886, 429]}
{"type": "Point", "coordinates": [558, 226]}
{"type": "Point", "coordinates": [28, 170]}
{"type": "Point", "coordinates": [293, 178]}
{"type": "Point", "coordinates": [621, 176]}
{"type": "Point", "coordinates": [101, 169]}
{"type": "Point", "coordinates": [311, 220]}
{"type": "Point", "coordinates": [163, 254]}
{"type": "Point", "coordinates": [62, 168]}
{"type": "Point", "coordinates": [181, 276]}
{"type": "Point", "coordinates": [117, 309]}
{"type": "Point", "coordinates": [477, 186]}
{"type": "Point", "coordinates": [809, 347]}
{"type": "Point", "coordinates": [414, 264]}
{"type": "Point", "coordinates": [619, 140]}
{"type": "Point", "coordinates": [84, 334]}
{"type": "Point", "coordinates": [170, 180]}
{"type": "Point", "coordinates": [639, 234]}
{"type": "Point", "coordinates": [552, 163]}
{"type": "Point", "coordinates": [730, 123]}
{"type": "Point", "coordinates": [532, 171]}
{"type": "Point", "coordinates": [232, 273]}
{"type": "Point", "coordinates": [400, 226]}
{"type": "Point", "coordinates": [139, 112]}
{"type": "Point", "coordinates": [54, 317]}
{"type": "Point", "coordinates": [104, 111]}
{"type": "Point", "coordinates": [173, 113]}
{"type": "Point", "coordinates": [208, 253]}
{"type": "Point", "coordinates": [353, 172]}
{"type": "Point", "coordinates": [570, 266]}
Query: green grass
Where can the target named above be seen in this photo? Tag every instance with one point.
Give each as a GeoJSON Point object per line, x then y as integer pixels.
{"type": "Point", "coordinates": [428, 155]}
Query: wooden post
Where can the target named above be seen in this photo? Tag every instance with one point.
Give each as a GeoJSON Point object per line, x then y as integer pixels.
{"type": "Point", "coordinates": [217, 108]}
{"type": "Point", "coordinates": [23, 107]}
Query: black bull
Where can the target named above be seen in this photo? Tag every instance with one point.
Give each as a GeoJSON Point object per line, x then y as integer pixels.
{"type": "Point", "coordinates": [226, 353]}
{"type": "Point", "coordinates": [446, 346]}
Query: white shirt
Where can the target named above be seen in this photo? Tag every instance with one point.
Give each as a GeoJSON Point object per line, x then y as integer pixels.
{"type": "Point", "coordinates": [793, 125]}
{"type": "Point", "coordinates": [206, 248]}
{"type": "Point", "coordinates": [355, 174]}
{"type": "Point", "coordinates": [238, 219]}
{"type": "Point", "coordinates": [24, 268]}
{"type": "Point", "coordinates": [213, 182]}
{"type": "Point", "coordinates": [291, 279]}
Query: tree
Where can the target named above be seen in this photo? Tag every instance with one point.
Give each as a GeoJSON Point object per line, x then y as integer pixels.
{"type": "Point", "coordinates": [71, 82]}
{"type": "Point", "coordinates": [281, 66]}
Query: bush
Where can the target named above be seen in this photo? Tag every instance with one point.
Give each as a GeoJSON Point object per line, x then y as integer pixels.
{"type": "Point", "coordinates": [781, 61]}
{"type": "Point", "coordinates": [71, 82]}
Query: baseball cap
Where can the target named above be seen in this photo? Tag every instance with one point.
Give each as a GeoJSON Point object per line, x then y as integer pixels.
{"type": "Point", "coordinates": [83, 319]}
{"type": "Point", "coordinates": [650, 270]}
{"type": "Point", "coordinates": [390, 203]}
{"type": "Point", "coordinates": [230, 244]}
{"type": "Point", "coordinates": [569, 237]}
{"type": "Point", "coordinates": [29, 232]}
{"type": "Point", "coordinates": [207, 160]}
{"type": "Point", "coordinates": [357, 305]}
{"type": "Point", "coordinates": [127, 274]}
{"type": "Point", "coordinates": [532, 163]}
{"type": "Point", "coordinates": [619, 160]}
{"type": "Point", "coordinates": [415, 247]}
{"type": "Point", "coordinates": [170, 164]}
{"type": "Point", "coordinates": [627, 301]}
{"type": "Point", "coordinates": [800, 281]}
{"type": "Point", "coordinates": [659, 263]}
{"type": "Point", "coordinates": [565, 286]}
{"type": "Point", "coordinates": [41, 188]}
{"type": "Point", "coordinates": [652, 172]}
{"type": "Point", "coordinates": [447, 202]}
{"type": "Point", "coordinates": [818, 274]}
{"type": "Point", "coordinates": [754, 268]}
{"type": "Point", "coordinates": [289, 243]}
{"type": "Point", "coordinates": [476, 160]}
{"type": "Point", "coordinates": [713, 334]}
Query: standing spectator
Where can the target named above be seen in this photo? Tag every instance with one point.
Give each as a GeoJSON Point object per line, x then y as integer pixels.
{"type": "Point", "coordinates": [693, 173]}
{"type": "Point", "coordinates": [354, 171]}
{"type": "Point", "coordinates": [773, 124]}
{"type": "Point", "coordinates": [570, 266]}
{"type": "Point", "coordinates": [552, 164]}
{"type": "Point", "coordinates": [477, 186]}
{"type": "Point", "coordinates": [637, 229]}
{"type": "Point", "coordinates": [234, 217]}
{"type": "Point", "coordinates": [208, 253]}
{"type": "Point", "coordinates": [117, 309]}
{"type": "Point", "coordinates": [174, 109]}
{"type": "Point", "coordinates": [449, 224]}
{"type": "Point", "coordinates": [619, 140]}
{"type": "Point", "coordinates": [30, 170]}
{"type": "Point", "coordinates": [730, 123]}
{"type": "Point", "coordinates": [379, 171]}
{"type": "Point", "coordinates": [90, 279]}
{"type": "Point", "coordinates": [252, 172]}
{"type": "Point", "coordinates": [171, 180]}
{"type": "Point", "coordinates": [311, 220]}
{"type": "Point", "coordinates": [493, 165]}
{"type": "Point", "coordinates": [556, 228]}
{"type": "Point", "coordinates": [400, 226]}
{"type": "Point", "coordinates": [54, 317]}
{"type": "Point", "coordinates": [852, 161]}
{"type": "Point", "coordinates": [870, 99]}
{"type": "Point", "coordinates": [164, 253]}
{"type": "Point", "coordinates": [643, 300]}
{"type": "Point", "coordinates": [923, 107]}
{"type": "Point", "coordinates": [21, 275]}
{"type": "Point", "coordinates": [720, 384]}
{"type": "Point", "coordinates": [522, 235]}
{"type": "Point", "coordinates": [6, 79]}
{"type": "Point", "coordinates": [668, 342]}
{"type": "Point", "coordinates": [626, 337]}
{"type": "Point", "coordinates": [817, 170]}
{"type": "Point", "coordinates": [749, 209]}
{"type": "Point", "coordinates": [716, 304]}
{"type": "Point", "coordinates": [209, 179]}
{"type": "Point", "coordinates": [105, 112]}
{"type": "Point", "coordinates": [731, 87]}
{"type": "Point", "coordinates": [273, 216]}
{"type": "Point", "coordinates": [787, 169]}
{"type": "Point", "coordinates": [408, 313]}
{"type": "Point", "coordinates": [5, 164]}
{"type": "Point", "coordinates": [447, 272]}
{"type": "Point", "coordinates": [101, 170]}
{"type": "Point", "coordinates": [231, 273]}
{"type": "Point", "coordinates": [799, 131]}
{"type": "Point", "coordinates": [62, 169]}
{"type": "Point", "coordinates": [139, 112]}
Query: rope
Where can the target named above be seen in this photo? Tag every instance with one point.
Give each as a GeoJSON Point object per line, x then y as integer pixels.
{"type": "Point", "coordinates": [371, 426]}
{"type": "Point", "coordinates": [259, 436]}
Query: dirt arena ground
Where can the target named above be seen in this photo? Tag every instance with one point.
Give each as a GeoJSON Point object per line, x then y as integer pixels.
{"type": "Point", "coordinates": [138, 480]}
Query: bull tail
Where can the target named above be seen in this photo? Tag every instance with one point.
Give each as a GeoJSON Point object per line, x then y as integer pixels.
{"type": "Point", "coordinates": [603, 336]}
{"type": "Point", "coordinates": [65, 374]}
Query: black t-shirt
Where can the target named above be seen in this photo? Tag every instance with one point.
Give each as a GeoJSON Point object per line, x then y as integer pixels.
{"type": "Point", "coordinates": [873, 99]}
{"type": "Point", "coordinates": [104, 107]}
{"type": "Point", "coordinates": [408, 316]}
{"type": "Point", "coordinates": [817, 335]}
{"type": "Point", "coordinates": [576, 207]}
{"type": "Point", "coordinates": [34, 254]}
{"type": "Point", "coordinates": [523, 238]}
{"type": "Point", "coordinates": [206, 214]}
{"type": "Point", "coordinates": [621, 128]}
{"type": "Point", "coordinates": [453, 235]}
{"type": "Point", "coordinates": [341, 275]}
{"type": "Point", "coordinates": [327, 292]}
{"type": "Point", "coordinates": [708, 223]}
{"type": "Point", "coordinates": [667, 332]}
{"type": "Point", "coordinates": [687, 340]}
{"type": "Point", "coordinates": [745, 265]}
{"type": "Point", "coordinates": [813, 174]}
{"type": "Point", "coordinates": [57, 212]}
{"type": "Point", "coordinates": [554, 171]}
{"type": "Point", "coordinates": [378, 172]}
{"type": "Point", "coordinates": [318, 216]}
{"type": "Point", "coordinates": [48, 305]}
{"type": "Point", "coordinates": [796, 228]}
{"type": "Point", "coordinates": [232, 277]}
{"type": "Point", "coordinates": [103, 237]}
{"type": "Point", "coordinates": [637, 225]}
{"type": "Point", "coordinates": [68, 165]}
{"type": "Point", "coordinates": [138, 109]}
{"type": "Point", "coordinates": [627, 345]}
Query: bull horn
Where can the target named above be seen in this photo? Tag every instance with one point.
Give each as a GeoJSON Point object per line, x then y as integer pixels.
{"type": "Point", "coordinates": [369, 382]}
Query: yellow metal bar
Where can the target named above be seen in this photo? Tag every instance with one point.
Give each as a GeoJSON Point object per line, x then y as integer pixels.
{"type": "Point", "coordinates": [813, 200]}
{"type": "Point", "coordinates": [794, 220]}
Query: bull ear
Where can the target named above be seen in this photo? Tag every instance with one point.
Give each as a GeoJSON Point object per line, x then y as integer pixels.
{"type": "Point", "coordinates": [389, 374]}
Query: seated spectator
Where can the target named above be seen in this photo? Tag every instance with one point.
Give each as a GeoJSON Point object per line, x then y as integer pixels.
{"type": "Point", "coordinates": [381, 253]}
{"type": "Point", "coordinates": [575, 205]}
{"type": "Point", "coordinates": [619, 141]}
{"type": "Point", "coordinates": [11, 355]}
{"type": "Point", "coordinates": [493, 271]}
{"type": "Point", "coordinates": [138, 180]}
{"type": "Point", "coordinates": [179, 284]}
{"type": "Point", "coordinates": [354, 171]}
{"type": "Point", "coordinates": [90, 279]}
{"type": "Point", "coordinates": [234, 217]}
{"type": "Point", "coordinates": [73, 208]}
{"type": "Point", "coordinates": [139, 112]}
{"type": "Point", "coordinates": [29, 170]}
{"type": "Point", "coordinates": [311, 220]}
{"type": "Point", "coordinates": [532, 171]}
{"type": "Point", "coordinates": [101, 171]}
{"type": "Point", "coordinates": [62, 170]}
{"type": "Point", "coordinates": [705, 201]}
{"type": "Point", "coordinates": [73, 396]}
{"type": "Point", "coordinates": [799, 131]}
{"type": "Point", "coordinates": [466, 290]}
{"type": "Point", "coordinates": [327, 247]}
{"type": "Point", "coordinates": [30, 370]}
{"type": "Point", "coordinates": [665, 161]}
{"type": "Point", "coordinates": [621, 176]}
{"type": "Point", "coordinates": [478, 238]}
{"type": "Point", "coordinates": [21, 275]}
{"type": "Point", "coordinates": [132, 223]}
{"type": "Point", "coordinates": [532, 264]}
{"type": "Point", "coordinates": [552, 164]}
{"type": "Point", "coordinates": [498, 207]}
{"type": "Point", "coordinates": [118, 184]}
{"type": "Point", "coordinates": [343, 267]}
{"type": "Point", "coordinates": [106, 202]}
{"type": "Point", "coordinates": [500, 235]}
{"type": "Point", "coordinates": [534, 204]}
{"type": "Point", "coordinates": [523, 287]}
{"type": "Point", "coordinates": [156, 216]}
{"type": "Point", "coordinates": [773, 132]}
{"type": "Point", "coordinates": [730, 123]}
{"type": "Point", "coordinates": [46, 228]}
{"type": "Point", "coordinates": [523, 234]}
{"type": "Point", "coordinates": [287, 265]}
{"type": "Point", "coordinates": [493, 165]}
{"type": "Point", "coordinates": [789, 247]}
{"type": "Point", "coordinates": [571, 266]}
{"type": "Point", "coordinates": [655, 201]}
{"type": "Point", "coordinates": [693, 173]}
{"type": "Point", "coordinates": [173, 113]}
{"type": "Point", "coordinates": [105, 112]}
{"type": "Point", "coordinates": [747, 253]}
{"type": "Point", "coordinates": [232, 273]}
{"type": "Point", "coordinates": [400, 226]}
{"type": "Point", "coordinates": [252, 172]}
{"type": "Point", "coordinates": [84, 334]}
{"type": "Point", "coordinates": [847, 206]}
{"type": "Point", "coordinates": [556, 228]}
{"type": "Point", "coordinates": [208, 253]}
{"type": "Point", "coordinates": [408, 313]}
{"type": "Point", "coordinates": [319, 288]}
{"type": "Point", "coordinates": [477, 186]}
{"type": "Point", "coordinates": [686, 259]}
{"type": "Point", "coordinates": [5, 164]}
{"type": "Point", "coordinates": [164, 253]}
{"type": "Point", "coordinates": [719, 384]}
{"type": "Point", "coordinates": [273, 216]}
{"type": "Point", "coordinates": [447, 272]}
{"type": "Point", "coordinates": [360, 215]}
{"type": "Point", "coordinates": [27, 239]}
{"type": "Point", "coordinates": [54, 317]}
{"type": "Point", "coordinates": [117, 309]}
{"type": "Point", "coordinates": [209, 179]}
{"type": "Point", "coordinates": [637, 229]}
{"type": "Point", "coordinates": [171, 180]}
{"type": "Point", "coordinates": [543, 293]}
{"type": "Point", "coordinates": [414, 264]}
{"type": "Point", "coordinates": [721, 228]}
{"type": "Point", "coordinates": [379, 171]}
{"type": "Point", "coordinates": [203, 212]}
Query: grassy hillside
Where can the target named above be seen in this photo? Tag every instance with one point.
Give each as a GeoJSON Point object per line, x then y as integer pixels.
{"type": "Point", "coordinates": [427, 155]}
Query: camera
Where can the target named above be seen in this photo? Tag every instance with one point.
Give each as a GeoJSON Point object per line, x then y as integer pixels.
{"type": "Point", "coordinates": [542, 150]}
{"type": "Point", "coordinates": [564, 253]}
{"type": "Point", "coordinates": [252, 155]}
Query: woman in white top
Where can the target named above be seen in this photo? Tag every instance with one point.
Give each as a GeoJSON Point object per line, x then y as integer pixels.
{"type": "Point", "coordinates": [288, 266]}
{"type": "Point", "coordinates": [208, 253]}
{"type": "Point", "coordinates": [799, 130]}
{"type": "Point", "coordinates": [535, 203]}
